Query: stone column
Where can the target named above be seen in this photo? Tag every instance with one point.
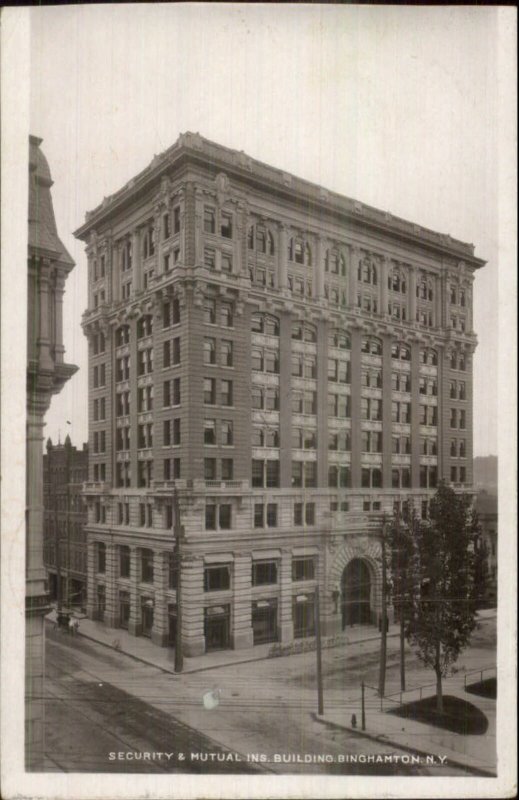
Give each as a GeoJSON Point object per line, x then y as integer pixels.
{"type": "Point", "coordinates": [111, 611]}
{"type": "Point", "coordinates": [282, 257]}
{"type": "Point", "coordinates": [134, 623]}
{"type": "Point", "coordinates": [354, 261]}
{"type": "Point", "coordinates": [322, 403]}
{"type": "Point", "coordinates": [384, 273]}
{"type": "Point", "coordinates": [43, 343]}
{"type": "Point", "coordinates": [35, 571]}
{"type": "Point", "coordinates": [356, 389]}
{"type": "Point", "coordinates": [285, 399]}
{"type": "Point", "coordinates": [136, 261]}
{"type": "Point", "coordinates": [285, 621]}
{"type": "Point", "coordinates": [415, 414]}
{"type": "Point", "coordinates": [159, 634]}
{"type": "Point", "coordinates": [437, 311]}
{"type": "Point", "coordinates": [242, 635]}
{"type": "Point", "coordinates": [195, 201]}
{"type": "Point", "coordinates": [412, 294]}
{"type": "Point", "coordinates": [320, 251]}
{"type": "Point", "coordinates": [59, 290]}
{"type": "Point", "coordinates": [133, 401]}
{"type": "Point", "coordinates": [192, 586]}
{"type": "Point", "coordinates": [387, 442]}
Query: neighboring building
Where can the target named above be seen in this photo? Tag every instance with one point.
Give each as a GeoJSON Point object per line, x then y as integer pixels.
{"type": "Point", "coordinates": [486, 507]}
{"type": "Point", "coordinates": [485, 474]}
{"type": "Point", "coordinates": [296, 362]}
{"type": "Point", "coordinates": [65, 470]}
{"type": "Point", "coordinates": [48, 267]}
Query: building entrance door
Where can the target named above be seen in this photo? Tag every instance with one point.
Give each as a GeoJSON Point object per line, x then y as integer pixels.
{"type": "Point", "coordinates": [216, 628]}
{"type": "Point", "coordinates": [356, 594]}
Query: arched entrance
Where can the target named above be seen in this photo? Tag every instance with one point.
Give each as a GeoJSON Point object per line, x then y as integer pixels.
{"type": "Point", "coordinates": [356, 593]}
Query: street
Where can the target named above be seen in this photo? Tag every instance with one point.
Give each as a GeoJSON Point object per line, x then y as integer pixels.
{"type": "Point", "coordinates": [106, 712]}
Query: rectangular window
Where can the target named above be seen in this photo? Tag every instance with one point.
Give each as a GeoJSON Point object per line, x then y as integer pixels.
{"type": "Point", "coordinates": [227, 469]}
{"type": "Point", "coordinates": [272, 474]}
{"type": "Point", "coordinates": [310, 471]}
{"type": "Point", "coordinates": [216, 579]}
{"type": "Point", "coordinates": [210, 312]}
{"type": "Point", "coordinates": [209, 220]}
{"type": "Point", "coordinates": [226, 353]}
{"type": "Point", "coordinates": [124, 559]}
{"type": "Point", "coordinates": [209, 431]}
{"type": "Point", "coordinates": [146, 566]}
{"type": "Point", "coordinates": [226, 315]}
{"type": "Point", "coordinates": [209, 258]}
{"type": "Point", "coordinates": [209, 469]}
{"type": "Point", "coordinates": [226, 263]}
{"type": "Point", "coordinates": [224, 516]}
{"type": "Point", "coordinates": [210, 517]}
{"type": "Point", "coordinates": [298, 513]}
{"type": "Point", "coordinates": [226, 225]}
{"type": "Point", "coordinates": [303, 569]}
{"type": "Point", "coordinates": [209, 391]}
{"type": "Point", "coordinates": [226, 396]}
{"type": "Point", "coordinates": [310, 513]}
{"type": "Point", "coordinates": [226, 428]}
{"type": "Point", "coordinates": [264, 572]}
{"type": "Point", "coordinates": [209, 351]}
{"type": "Point", "coordinates": [259, 515]}
{"type": "Point", "coordinates": [272, 515]}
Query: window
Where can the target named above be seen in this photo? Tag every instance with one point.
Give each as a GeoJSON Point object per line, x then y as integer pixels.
{"type": "Point", "coordinates": [209, 258]}
{"type": "Point", "coordinates": [462, 449]}
{"type": "Point", "coordinates": [210, 312]}
{"type": "Point", "coordinates": [226, 429]}
{"type": "Point", "coordinates": [259, 515]}
{"type": "Point", "coordinates": [145, 473]}
{"type": "Point", "coordinates": [226, 225]}
{"type": "Point", "coordinates": [209, 469]}
{"type": "Point", "coordinates": [171, 313]}
{"type": "Point", "coordinates": [462, 419]}
{"type": "Point", "coordinates": [264, 572]}
{"type": "Point", "coordinates": [209, 351]}
{"type": "Point", "coordinates": [216, 578]}
{"type": "Point", "coordinates": [146, 565]}
{"type": "Point", "coordinates": [310, 513]}
{"type": "Point", "coordinates": [371, 345]}
{"type": "Point", "coordinates": [209, 391]}
{"type": "Point", "coordinates": [209, 431]}
{"type": "Point", "coordinates": [461, 390]}
{"type": "Point", "coordinates": [272, 399]}
{"type": "Point", "coordinates": [171, 469]}
{"type": "Point", "coordinates": [210, 517]}
{"type": "Point", "coordinates": [226, 315]}
{"type": "Point", "coordinates": [272, 515]}
{"type": "Point", "coordinates": [257, 360]}
{"type": "Point", "coordinates": [100, 557]}
{"type": "Point", "coordinates": [176, 219]}
{"type": "Point", "coordinates": [454, 418]}
{"type": "Point", "coordinates": [227, 469]}
{"type": "Point", "coordinates": [224, 516]}
{"type": "Point", "coordinates": [226, 396]}
{"type": "Point", "coordinates": [209, 220]}
{"type": "Point", "coordinates": [303, 569]}
{"type": "Point", "coordinates": [257, 396]}
{"type": "Point", "coordinates": [226, 352]}
{"type": "Point", "coordinates": [309, 402]}
{"type": "Point", "coordinates": [144, 398]}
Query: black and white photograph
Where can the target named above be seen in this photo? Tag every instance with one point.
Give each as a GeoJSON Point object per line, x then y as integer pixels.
{"type": "Point", "coordinates": [258, 401]}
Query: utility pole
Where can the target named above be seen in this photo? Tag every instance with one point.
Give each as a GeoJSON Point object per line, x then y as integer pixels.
{"type": "Point", "coordinates": [320, 698]}
{"type": "Point", "coordinates": [178, 532]}
{"type": "Point", "coordinates": [383, 639]}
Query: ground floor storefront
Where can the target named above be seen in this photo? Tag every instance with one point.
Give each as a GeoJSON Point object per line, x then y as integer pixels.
{"type": "Point", "coordinates": [233, 599]}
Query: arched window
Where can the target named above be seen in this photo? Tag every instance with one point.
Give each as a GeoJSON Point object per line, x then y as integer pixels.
{"type": "Point", "coordinates": [260, 238]}
{"type": "Point", "coordinates": [400, 351]}
{"type": "Point", "coordinates": [304, 332]}
{"type": "Point", "coordinates": [372, 345]}
{"type": "Point", "coordinates": [396, 281]}
{"type": "Point", "coordinates": [367, 272]}
{"type": "Point", "coordinates": [340, 339]}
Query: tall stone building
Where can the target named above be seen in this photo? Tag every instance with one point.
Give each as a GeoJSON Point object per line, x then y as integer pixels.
{"type": "Point", "coordinates": [296, 362]}
{"type": "Point", "coordinates": [48, 267]}
{"type": "Point", "coordinates": [65, 470]}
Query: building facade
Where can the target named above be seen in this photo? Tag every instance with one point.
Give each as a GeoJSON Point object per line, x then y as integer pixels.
{"type": "Point", "coordinates": [65, 470]}
{"type": "Point", "coordinates": [486, 507]}
{"type": "Point", "coordinates": [298, 364]}
{"type": "Point", "coordinates": [48, 267]}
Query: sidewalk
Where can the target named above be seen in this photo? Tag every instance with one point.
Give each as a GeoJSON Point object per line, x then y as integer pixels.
{"type": "Point", "coordinates": [142, 649]}
{"type": "Point", "coordinates": [477, 753]}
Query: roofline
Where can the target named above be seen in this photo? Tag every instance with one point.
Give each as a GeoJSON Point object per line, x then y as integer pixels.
{"type": "Point", "coordinates": [195, 148]}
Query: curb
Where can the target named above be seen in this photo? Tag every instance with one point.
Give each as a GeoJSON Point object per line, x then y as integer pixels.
{"type": "Point", "coordinates": [203, 668]}
{"type": "Point", "coordinates": [383, 739]}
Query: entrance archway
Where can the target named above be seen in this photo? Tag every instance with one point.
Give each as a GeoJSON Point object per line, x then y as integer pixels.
{"type": "Point", "coordinates": [356, 593]}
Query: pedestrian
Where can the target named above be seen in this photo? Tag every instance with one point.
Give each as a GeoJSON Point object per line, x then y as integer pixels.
{"type": "Point", "coordinates": [76, 626]}
{"type": "Point", "coordinates": [71, 626]}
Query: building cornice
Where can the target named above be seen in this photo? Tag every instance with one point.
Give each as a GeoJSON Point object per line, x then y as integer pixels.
{"type": "Point", "coordinates": [192, 149]}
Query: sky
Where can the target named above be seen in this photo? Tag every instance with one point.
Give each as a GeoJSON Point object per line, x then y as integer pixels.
{"type": "Point", "coordinates": [394, 106]}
